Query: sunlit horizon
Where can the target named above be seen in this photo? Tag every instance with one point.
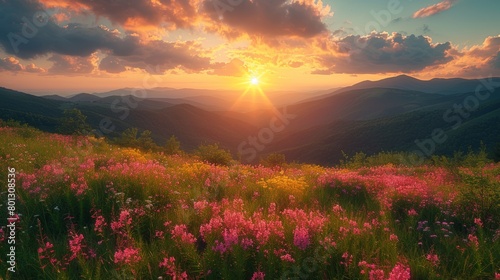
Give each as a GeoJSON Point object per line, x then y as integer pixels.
{"type": "Point", "coordinates": [323, 45]}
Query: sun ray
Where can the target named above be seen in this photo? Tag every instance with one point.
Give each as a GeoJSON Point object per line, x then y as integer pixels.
{"type": "Point", "coordinates": [253, 94]}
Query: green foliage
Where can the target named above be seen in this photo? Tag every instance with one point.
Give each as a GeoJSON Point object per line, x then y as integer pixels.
{"type": "Point", "coordinates": [345, 212]}
{"type": "Point", "coordinates": [11, 123]}
{"type": "Point", "coordinates": [361, 159]}
{"type": "Point", "coordinates": [274, 159]}
{"type": "Point", "coordinates": [173, 146]}
{"type": "Point", "coordinates": [479, 196]}
{"type": "Point", "coordinates": [128, 137]}
{"type": "Point", "coordinates": [470, 159]}
{"type": "Point", "coordinates": [74, 122]}
{"type": "Point", "coordinates": [146, 141]}
{"type": "Point", "coordinates": [213, 154]}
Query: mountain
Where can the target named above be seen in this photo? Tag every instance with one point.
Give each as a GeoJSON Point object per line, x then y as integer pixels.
{"type": "Point", "coordinates": [362, 104]}
{"type": "Point", "coordinates": [191, 125]}
{"type": "Point", "coordinates": [55, 97]}
{"type": "Point", "coordinates": [315, 130]}
{"type": "Point", "coordinates": [324, 144]}
{"type": "Point", "coordinates": [84, 97]}
{"type": "Point", "coordinates": [441, 86]}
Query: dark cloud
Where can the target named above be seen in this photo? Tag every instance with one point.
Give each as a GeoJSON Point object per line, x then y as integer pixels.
{"type": "Point", "coordinates": [156, 57]}
{"type": "Point", "coordinates": [383, 53]}
{"type": "Point", "coordinates": [20, 36]}
{"type": "Point", "coordinates": [136, 14]}
{"type": "Point", "coordinates": [112, 64]}
{"type": "Point", "coordinates": [27, 32]}
{"type": "Point", "coordinates": [266, 18]}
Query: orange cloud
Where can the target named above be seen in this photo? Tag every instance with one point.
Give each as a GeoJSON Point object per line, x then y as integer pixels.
{"type": "Point", "coordinates": [474, 62]}
{"type": "Point", "coordinates": [136, 14]}
{"type": "Point", "coordinates": [434, 9]}
{"type": "Point", "coordinates": [235, 68]}
{"type": "Point", "coordinates": [14, 65]}
{"type": "Point", "coordinates": [72, 65]}
{"type": "Point", "coordinates": [60, 17]}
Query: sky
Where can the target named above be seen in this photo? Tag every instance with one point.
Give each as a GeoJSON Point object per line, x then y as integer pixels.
{"type": "Point", "coordinates": [72, 46]}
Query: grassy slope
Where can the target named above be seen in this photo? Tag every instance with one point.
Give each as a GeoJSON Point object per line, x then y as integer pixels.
{"type": "Point", "coordinates": [338, 223]}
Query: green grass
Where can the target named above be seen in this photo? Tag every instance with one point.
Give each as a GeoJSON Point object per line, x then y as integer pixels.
{"type": "Point", "coordinates": [356, 220]}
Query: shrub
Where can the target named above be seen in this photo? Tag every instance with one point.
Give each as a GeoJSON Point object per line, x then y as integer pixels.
{"type": "Point", "coordinates": [274, 159]}
{"type": "Point", "coordinates": [213, 154]}
{"type": "Point", "coordinates": [173, 146]}
{"type": "Point", "coordinates": [146, 141]}
{"type": "Point", "coordinates": [74, 122]}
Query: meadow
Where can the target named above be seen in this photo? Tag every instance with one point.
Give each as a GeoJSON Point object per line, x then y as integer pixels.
{"type": "Point", "coordinates": [91, 210]}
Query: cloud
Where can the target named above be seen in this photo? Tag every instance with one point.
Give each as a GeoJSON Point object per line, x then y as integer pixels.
{"type": "Point", "coordinates": [235, 68]}
{"type": "Point", "coordinates": [112, 64]}
{"type": "Point", "coordinates": [72, 46]}
{"type": "Point", "coordinates": [295, 64]}
{"type": "Point", "coordinates": [475, 62]}
{"type": "Point", "coordinates": [26, 38]}
{"type": "Point", "coordinates": [137, 14]}
{"type": "Point", "coordinates": [11, 64]}
{"type": "Point", "coordinates": [381, 53]}
{"type": "Point", "coordinates": [14, 65]}
{"type": "Point", "coordinates": [32, 68]}
{"type": "Point", "coordinates": [434, 9]}
{"type": "Point", "coordinates": [70, 65]}
{"type": "Point", "coordinates": [495, 61]}
{"type": "Point", "coordinates": [267, 18]}
{"type": "Point", "coordinates": [156, 57]}
{"type": "Point", "coordinates": [485, 57]}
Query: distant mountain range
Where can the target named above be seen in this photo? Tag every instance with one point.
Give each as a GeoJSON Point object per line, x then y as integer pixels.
{"type": "Point", "coordinates": [393, 114]}
{"type": "Point", "coordinates": [441, 86]}
{"type": "Point", "coordinates": [210, 100]}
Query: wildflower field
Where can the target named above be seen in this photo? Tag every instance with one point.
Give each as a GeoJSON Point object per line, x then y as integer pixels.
{"type": "Point", "coordinates": [90, 210]}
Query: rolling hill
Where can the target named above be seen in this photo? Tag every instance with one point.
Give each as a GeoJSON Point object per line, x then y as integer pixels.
{"type": "Point", "coordinates": [361, 119]}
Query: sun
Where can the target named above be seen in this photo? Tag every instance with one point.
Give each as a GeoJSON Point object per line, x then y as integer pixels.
{"type": "Point", "coordinates": [254, 81]}
{"type": "Point", "coordinates": [254, 94]}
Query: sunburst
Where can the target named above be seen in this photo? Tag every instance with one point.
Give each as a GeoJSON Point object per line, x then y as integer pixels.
{"type": "Point", "coordinates": [254, 83]}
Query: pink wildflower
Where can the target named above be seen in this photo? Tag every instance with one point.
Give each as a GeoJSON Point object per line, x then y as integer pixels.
{"type": "Point", "coordinates": [301, 238]}
{"type": "Point", "coordinates": [127, 256]}
{"type": "Point", "coordinates": [180, 232]}
{"type": "Point", "coordinates": [433, 258]}
{"type": "Point", "coordinates": [412, 212]}
{"type": "Point", "coordinates": [287, 258]}
{"type": "Point", "coordinates": [377, 274]}
{"type": "Point", "coordinates": [258, 275]}
{"type": "Point", "coordinates": [399, 272]}
{"type": "Point", "coordinates": [99, 224]}
{"type": "Point", "coordinates": [393, 237]}
{"type": "Point", "coordinates": [478, 222]}
{"type": "Point", "coordinates": [75, 245]}
{"type": "Point", "coordinates": [473, 240]}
